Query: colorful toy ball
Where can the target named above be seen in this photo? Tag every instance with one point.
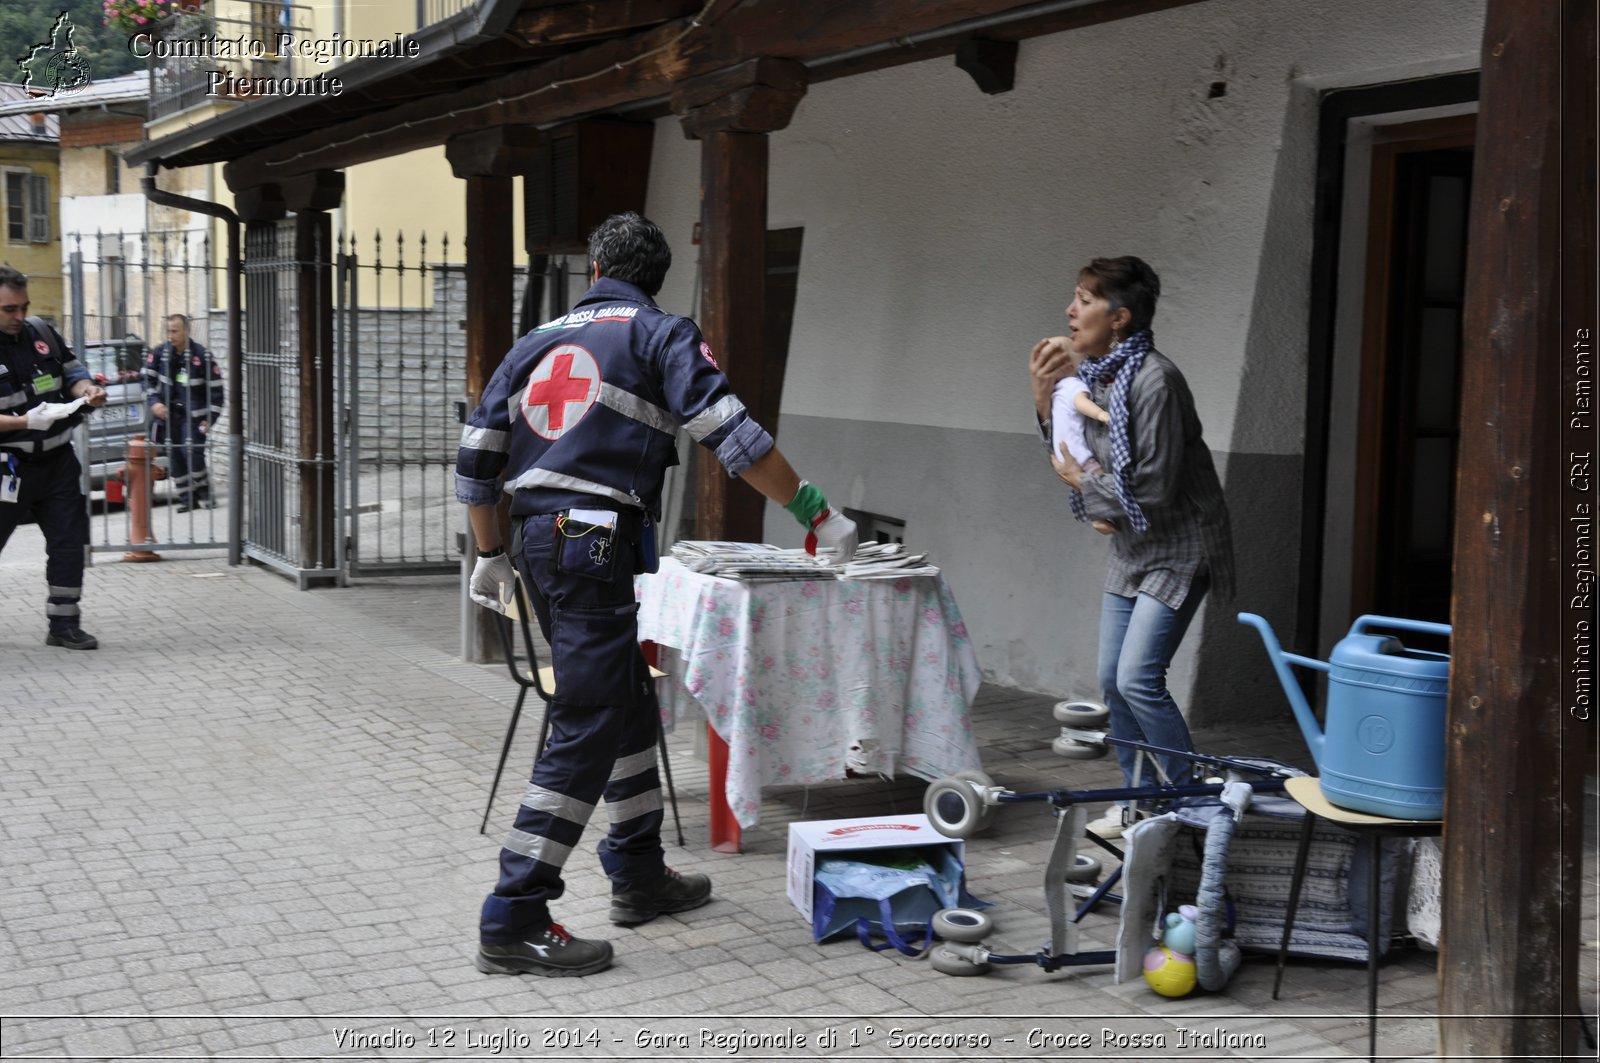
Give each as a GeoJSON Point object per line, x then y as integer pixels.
{"type": "Point", "coordinates": [1169, 973]}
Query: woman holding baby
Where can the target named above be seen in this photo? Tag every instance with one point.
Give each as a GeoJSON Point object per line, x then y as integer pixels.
{"type": "Point", "coordinates": [1143, 475]}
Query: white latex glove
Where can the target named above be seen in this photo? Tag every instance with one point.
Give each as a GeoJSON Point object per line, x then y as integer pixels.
{"type": "Point", "coordinates": [492, 578]}
{"type": "Point", "coordinates": [48, 413]}
{"type": "Point", "coordinates": [839, 532]}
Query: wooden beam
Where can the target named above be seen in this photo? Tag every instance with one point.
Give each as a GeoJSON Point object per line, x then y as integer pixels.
{"type": "Point", "coordinates": [1514, 792]}
{"type": "Point", "coordinates": [489, 307]}
{"type": "Point", "coordinates": [568, 23]}
{"type": "Point", "coordinates": [647, 65]}
{"type": "Point", "coordinates": [733, 189]}
{"type": "Point", "coordinates": [505, 151]}
{"type": "Point", "coordinates": [990, 63]}
{"type": "Point", "coordinates": [756, 96]}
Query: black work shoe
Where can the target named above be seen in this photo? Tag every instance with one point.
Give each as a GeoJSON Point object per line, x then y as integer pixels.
{"type": "Point", "coordinates": [671, 892]}
{"type": "Point", "coordinates": [75, 639]}
{"type": "Point", "coordinates": [551, 952]}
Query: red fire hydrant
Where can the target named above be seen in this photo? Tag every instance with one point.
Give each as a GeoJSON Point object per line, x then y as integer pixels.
{"type": "Point", "coordinates": [139, 474]}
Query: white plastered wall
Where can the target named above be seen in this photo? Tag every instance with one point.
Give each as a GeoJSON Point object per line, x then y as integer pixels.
{"type": "Point", "coordinates": [943, 232]}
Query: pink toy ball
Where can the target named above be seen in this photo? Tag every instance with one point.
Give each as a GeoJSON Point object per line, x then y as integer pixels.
{"type": "Point", "coordinates": [1169, 973]}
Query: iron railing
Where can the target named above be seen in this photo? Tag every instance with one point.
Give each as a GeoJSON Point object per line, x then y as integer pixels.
{"type": "Point", "coordinates": [197, 57]}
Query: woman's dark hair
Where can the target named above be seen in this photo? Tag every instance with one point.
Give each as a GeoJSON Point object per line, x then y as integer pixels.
{"type": "Point", "coordinates": [1125, 282]}
{"type": "Point", "coordinates": [631, 248]}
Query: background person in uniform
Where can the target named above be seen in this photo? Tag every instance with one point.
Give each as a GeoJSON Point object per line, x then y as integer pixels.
{"type": "Point", "coordinates": [1157, 484]}
{"type": "Point", "coordinates": [183, 386]}
{"type": "Point", "coordinates": [578, 425]}
{"type": "Point", "coordinates": [41, 385]}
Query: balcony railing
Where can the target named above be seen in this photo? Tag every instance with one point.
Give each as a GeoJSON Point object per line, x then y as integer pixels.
{"type": "Point", "coordinates": [431, 11]}
{"type": "Point", "coordinates": [197, 57]}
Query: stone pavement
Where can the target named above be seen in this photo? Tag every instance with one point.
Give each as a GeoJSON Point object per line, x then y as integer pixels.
{"type": "Point", "coordinates": [247, 828]}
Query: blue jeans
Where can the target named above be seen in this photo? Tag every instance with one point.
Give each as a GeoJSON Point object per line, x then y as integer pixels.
{"type": "Point", "coordinates": [1138, 637]}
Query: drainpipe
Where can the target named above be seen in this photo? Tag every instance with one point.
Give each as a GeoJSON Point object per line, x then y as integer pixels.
{"type": "Point", "coordinates": [235, 344]}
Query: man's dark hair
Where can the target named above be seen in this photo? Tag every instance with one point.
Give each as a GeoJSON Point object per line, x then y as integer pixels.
{"type": "Point", "coordinates": [11, 278]}
{"type": "Point", "coordinates": [179, 317]}
{"type": "Point", "coordinates": [631, 248]}
{"type": "Point", "coordinates": [1125, 282]}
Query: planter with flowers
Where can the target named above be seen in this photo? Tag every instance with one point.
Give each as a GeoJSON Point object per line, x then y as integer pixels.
{"type": "Point", "coordinates": [146, 16]}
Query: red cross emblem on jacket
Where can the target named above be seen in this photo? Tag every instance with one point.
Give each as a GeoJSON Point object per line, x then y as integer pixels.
{"type": "Point", "coordinates": [562, 388]}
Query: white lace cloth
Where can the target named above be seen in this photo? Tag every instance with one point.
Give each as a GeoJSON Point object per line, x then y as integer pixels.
{"type": "Point", "coordinates": [804, 680]}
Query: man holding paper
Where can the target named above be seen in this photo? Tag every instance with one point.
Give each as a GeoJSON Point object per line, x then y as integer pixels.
{"type": "Point", "coordinates": [579, 426]}
{"type": "Point", "coordinates": [42, 388]}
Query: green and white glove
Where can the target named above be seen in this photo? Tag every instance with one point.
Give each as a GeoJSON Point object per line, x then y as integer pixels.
{"type": "Point", "coordinates": [823, 525]}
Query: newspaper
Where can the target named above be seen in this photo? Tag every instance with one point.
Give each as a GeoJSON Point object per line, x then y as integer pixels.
{"type": "Point", "coordinates": [759, 562]}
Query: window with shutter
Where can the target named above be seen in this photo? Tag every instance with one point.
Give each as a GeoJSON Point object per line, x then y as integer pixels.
{"type": "Point", "coordinates": [39, 208]}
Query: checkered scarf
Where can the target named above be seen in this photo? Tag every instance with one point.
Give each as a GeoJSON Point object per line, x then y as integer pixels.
{"type": "Point", "coordinates": [1120, 367]}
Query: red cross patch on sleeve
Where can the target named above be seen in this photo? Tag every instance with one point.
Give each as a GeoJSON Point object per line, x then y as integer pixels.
{"type": "Point", "coordinates": [705, 352]}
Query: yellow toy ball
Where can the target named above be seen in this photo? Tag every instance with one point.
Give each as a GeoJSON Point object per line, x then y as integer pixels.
{"type": "Point", "coordinates": [1169, 973]}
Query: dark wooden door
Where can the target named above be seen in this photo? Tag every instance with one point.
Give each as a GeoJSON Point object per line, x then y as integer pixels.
{"type": "Point", "coordinates": [1411, 374]}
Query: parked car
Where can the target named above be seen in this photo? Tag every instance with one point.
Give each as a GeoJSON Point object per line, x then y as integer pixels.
{"type": "Point", "coordinates": [114, 365]}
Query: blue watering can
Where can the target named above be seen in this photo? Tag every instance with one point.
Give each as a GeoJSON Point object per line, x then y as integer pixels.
{"type": "Point", "coordinates": [1383, 748]}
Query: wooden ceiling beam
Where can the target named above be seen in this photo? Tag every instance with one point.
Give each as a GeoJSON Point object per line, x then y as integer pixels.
{"type": "Point", "coordinates": [647, 65]}
{"type": "Point", "coordinates": [570, 23]}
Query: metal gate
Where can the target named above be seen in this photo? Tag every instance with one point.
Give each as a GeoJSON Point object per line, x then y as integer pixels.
{"type": "Point", "coordinates": [288, 405]}
{"type": "Point", "coordinates": [120, 290]}
{"type": "Point", "coordinates": [401, 373]}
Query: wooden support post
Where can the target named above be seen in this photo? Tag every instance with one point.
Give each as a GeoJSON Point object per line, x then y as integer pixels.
{"type": "Point", "coordinates": [730, 112]}
{"type": "Point", "coordinates": [310, 197]}
{"type": "Point", "coordinates": [488, 160]}
{"type": "Point", "coordinates": [1514, 791]}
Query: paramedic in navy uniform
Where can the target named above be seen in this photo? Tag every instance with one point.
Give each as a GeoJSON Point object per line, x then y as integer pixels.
{"type": "Point", "coordinates": [40, 477]}
{"type": "Point", "coordinates": [578, 425]}
{"type": "Point", "coordinates": [183, 385]}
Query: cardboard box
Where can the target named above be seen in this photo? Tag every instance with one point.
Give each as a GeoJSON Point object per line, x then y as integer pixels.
{"type": "Point", "coordinates": [809, 842]}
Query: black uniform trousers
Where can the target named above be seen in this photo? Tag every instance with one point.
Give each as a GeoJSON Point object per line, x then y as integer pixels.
{"type": "Point", "coordinates": [52, 494]}
{"type": "Point", "coordinates": [603, 726]}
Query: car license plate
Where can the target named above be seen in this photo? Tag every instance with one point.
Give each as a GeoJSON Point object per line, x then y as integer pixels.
{"type": "Point", "coordinates": [135, 415]}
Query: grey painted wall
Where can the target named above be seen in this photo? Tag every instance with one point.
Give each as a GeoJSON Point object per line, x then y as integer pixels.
{"type": "Point", "coordinates": [989, 511]}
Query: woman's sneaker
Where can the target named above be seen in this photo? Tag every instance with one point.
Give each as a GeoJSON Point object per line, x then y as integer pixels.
{"type": "Point", "coordinates": [1111, 823]}
{"type": "Point", "coordinates": [551, 952]}
{"type": "Point", "coordinates": [671, 892]}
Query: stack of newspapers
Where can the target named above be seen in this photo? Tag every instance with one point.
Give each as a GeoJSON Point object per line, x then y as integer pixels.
{"type": "Point", "coordinates": [758, 562]}
{"type": "Point", "coordinates": [750, 562]}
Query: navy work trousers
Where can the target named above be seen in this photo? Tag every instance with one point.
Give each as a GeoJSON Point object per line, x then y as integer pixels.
{"type": "Point", "coordinates": [52, 495]}
{"type": "Point", "coordinates": [186, 455]}
{"type": "Point", "coordinates": [604, 722]}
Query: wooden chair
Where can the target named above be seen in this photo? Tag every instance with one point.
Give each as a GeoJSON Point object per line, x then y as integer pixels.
{"type": "Point", "coordinates": [529, 675]}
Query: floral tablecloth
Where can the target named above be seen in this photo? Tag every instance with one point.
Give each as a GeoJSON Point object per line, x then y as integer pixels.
{"type": "Point", "coordinates": [806, 679]}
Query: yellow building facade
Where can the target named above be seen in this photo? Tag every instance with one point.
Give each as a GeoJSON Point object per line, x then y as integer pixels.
{"type": "Point", "coordinates": [30, 186]}
{"type": "Point", "coordinates": [388, 204]}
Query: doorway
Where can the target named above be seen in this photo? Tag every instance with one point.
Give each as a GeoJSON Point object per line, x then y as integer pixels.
{"type": "Point", "coordinates": [1409, 397]}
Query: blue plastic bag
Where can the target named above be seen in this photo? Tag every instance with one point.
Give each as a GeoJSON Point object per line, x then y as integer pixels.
{"type": "Point", "coordinates": [890, 893]}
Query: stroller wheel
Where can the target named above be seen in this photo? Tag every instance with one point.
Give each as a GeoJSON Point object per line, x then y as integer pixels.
{"type": "Point", "coordinates": [1081, 713]}
{"type": "Point", "coordinates": [1066, 746]}
{"type": "Point", "coordinates": [1085, 868]}
{"type": "Point", "coordinates": [948, 962]}
{"type": "Point", "coordinates": [961, 924]}
{"type": "Point", "coordinates": [953, 806]}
